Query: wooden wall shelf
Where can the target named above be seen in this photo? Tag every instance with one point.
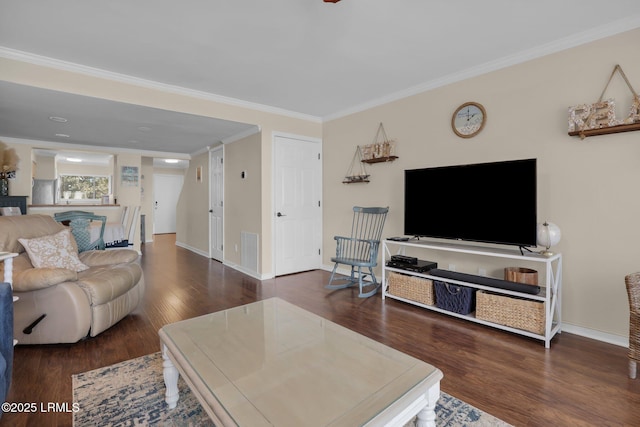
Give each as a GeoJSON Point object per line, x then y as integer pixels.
{"type": "Point", "coordinates": [356, 179]}
{"type": "Point", "coordinates": [380, 159]}
{"type": "Point", "coordinates": [605, 131]}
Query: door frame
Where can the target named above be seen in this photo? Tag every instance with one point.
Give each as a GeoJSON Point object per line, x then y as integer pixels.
{"type": "Point", "coordinates": [211, 189]}
{"type": "Point", "coordinates": [305, 138]}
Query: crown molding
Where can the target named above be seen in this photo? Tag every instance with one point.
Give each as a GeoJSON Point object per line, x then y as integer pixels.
{"type": "Point", "coordinates": [617, 27]}
{"type": "Point", "coordinates": [620, 26]}
{"type": "Point", "coordinates": [203, 150]}
{"type": "Point", "coordinates": [57, 64]}
{"type": "Point", "coordinates": [93, 148]}
{"type": "Point", "coordinates": [240, 135]}
{"type": "Point", "coordinates": [228, 140]}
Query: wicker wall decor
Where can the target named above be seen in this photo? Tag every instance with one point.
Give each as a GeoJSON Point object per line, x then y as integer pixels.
{"type": "Point", "coordinates": [599, 118]}
{"type": "Point", "coordinates": [381, 150]}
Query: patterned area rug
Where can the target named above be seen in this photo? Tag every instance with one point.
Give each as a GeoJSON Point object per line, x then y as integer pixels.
{"type": "Point", "coordinates": [131, 393]}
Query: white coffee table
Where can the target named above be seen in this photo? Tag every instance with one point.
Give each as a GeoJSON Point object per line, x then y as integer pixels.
{"type": "Point", "coordinates": [271, 363]}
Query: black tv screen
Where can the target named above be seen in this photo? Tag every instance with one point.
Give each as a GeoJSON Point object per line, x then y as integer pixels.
{"type": "Point", "coordinates": [484, 202]}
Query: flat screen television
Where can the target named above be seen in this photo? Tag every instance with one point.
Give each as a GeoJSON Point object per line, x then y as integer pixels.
{"type": "Point", "coordinates": [484, 202]}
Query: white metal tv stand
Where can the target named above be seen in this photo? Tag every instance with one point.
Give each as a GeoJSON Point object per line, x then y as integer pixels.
{"type": "Point", "coordinates": [551, 286]}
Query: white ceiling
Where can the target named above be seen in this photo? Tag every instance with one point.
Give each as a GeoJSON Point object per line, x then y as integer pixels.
{"type": "Point", "coordinates": [31, 113]}
{"type": "Point", "coordinates": [301, 57]}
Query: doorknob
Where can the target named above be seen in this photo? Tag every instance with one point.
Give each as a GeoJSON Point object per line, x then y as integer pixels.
{"type": "Point", "coordinates": [210, 210]}
{"type": "Point", "coordinates": [279, 214]}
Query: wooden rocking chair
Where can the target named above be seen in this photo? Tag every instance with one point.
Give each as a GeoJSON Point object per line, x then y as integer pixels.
{"type": "Point", "coordinates": [360, 250]}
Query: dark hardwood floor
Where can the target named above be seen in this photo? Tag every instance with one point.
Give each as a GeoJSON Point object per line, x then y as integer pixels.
{"type": "Point", "coordinates": [577, 381]}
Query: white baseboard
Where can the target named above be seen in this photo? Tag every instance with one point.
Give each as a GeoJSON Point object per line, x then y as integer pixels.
{"type": "Point", "coordinates": [192, 249]}
{"type": "Point", "coordinates": [596, 335]}
{"type": "Point", "coordinates": [253, 274]}
{"type": "Point", "coordinates": [241, 269]}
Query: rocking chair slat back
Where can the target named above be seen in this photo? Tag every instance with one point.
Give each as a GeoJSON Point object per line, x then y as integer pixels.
{"type": "Point", "coordinates": [361, 249]}
{"type": "Point", "coordinates": [366, 230]}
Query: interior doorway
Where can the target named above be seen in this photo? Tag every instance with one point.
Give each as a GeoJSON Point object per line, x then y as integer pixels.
{"type": "Point", "coordinates": [298, 204]}
{"type": "Point", "coordinates": [166, 192]}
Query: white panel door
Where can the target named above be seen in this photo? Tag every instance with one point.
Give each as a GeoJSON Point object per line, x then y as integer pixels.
{"type": "Point", "coordinates": [166, 191]}
{"type": "Point", "coordinates": [298, 207]}
{"type": "Point", "coordinates": [216, 198]}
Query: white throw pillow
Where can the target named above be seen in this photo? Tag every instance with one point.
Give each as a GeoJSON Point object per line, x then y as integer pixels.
{"type": "Point", "coordinates": [57, 251]}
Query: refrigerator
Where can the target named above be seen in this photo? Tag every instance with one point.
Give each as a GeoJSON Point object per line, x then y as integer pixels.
{"type": "Point", "coordinates": [43, 192]}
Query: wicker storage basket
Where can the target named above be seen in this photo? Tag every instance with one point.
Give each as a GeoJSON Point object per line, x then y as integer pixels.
{"type": "Point", "coordinates": [455, 298]}
{"type": "Point", "coordinates": [514, 312]}
{"type": "Point", "coordinates": [411, 287]}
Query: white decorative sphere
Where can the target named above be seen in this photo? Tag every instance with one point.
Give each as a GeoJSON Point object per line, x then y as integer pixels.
{"type": "Point", "coordinates": [548, 234]}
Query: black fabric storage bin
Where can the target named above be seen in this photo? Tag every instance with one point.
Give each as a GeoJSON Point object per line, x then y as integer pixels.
{"type": "Point", "coordinates": [455, 298]}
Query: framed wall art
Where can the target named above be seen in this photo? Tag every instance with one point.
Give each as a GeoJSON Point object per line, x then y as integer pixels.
{"type": "Point", "coordinates": [129, 176]}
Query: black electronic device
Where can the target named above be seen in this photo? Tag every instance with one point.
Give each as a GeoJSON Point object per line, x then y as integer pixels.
{"type": "Point", "coordinates": [484, 202]}
{"type": "Point", "coordinates": [487, 281]}
{"type": "Point", "coordinates": [405, 259]}
{"type": "Point", "coordinates": [420, 266]}
{"type": "Point", "coordinates": [398, 239]}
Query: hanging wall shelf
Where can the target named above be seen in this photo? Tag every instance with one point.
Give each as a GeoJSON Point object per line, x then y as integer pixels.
{"type": "Point", "coordinates": [599, 118]}
{"type": "Point", "coordinates": [361, 175]}
{"type": "Point", "coordinates": [380, 159]}
{"type": "Point", "coordinates": [605, 130]}
{"type": "Point", "coordinates": [382, 149]}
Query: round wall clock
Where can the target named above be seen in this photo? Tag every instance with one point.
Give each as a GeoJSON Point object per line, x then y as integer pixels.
{"type": "Point", "coordinates": [468, 119]}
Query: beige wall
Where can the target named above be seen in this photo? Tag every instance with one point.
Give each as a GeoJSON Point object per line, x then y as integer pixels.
{"type": "Point", "coordinates": [83, 169]}
{"type": "Point", "coordinates": [588, 188]}
{"type": "Point", "coordinates": [242, 204]}
{"type": "Point", "coordinates": [192, 217]}
{"type": "Point", "coordinates": [45, 167]}
{"type": "Point", "coordinates": [242, 213]}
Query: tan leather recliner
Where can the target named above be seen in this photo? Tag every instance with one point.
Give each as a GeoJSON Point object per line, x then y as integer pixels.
{"type": "Point", "coordinates": [75, 304]}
